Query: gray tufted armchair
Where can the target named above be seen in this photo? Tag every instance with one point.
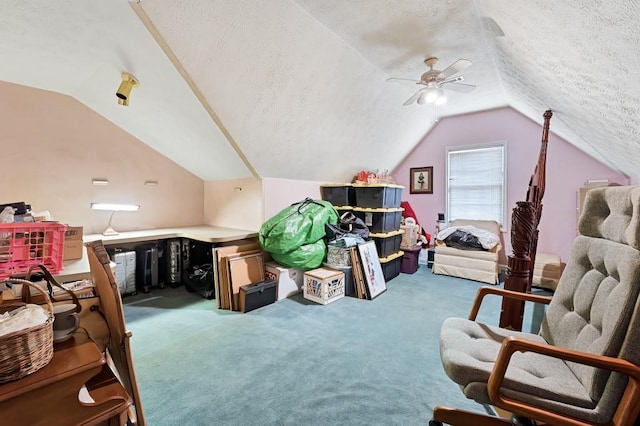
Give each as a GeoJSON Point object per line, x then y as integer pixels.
{"type": "Point", "coordinates": [582, 368]}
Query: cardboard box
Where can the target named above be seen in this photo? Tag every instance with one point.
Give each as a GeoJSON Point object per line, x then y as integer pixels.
{"type": "Point", "coordinates": [73, 247]}
{"type": "Point", "coordinates": [410, 236]}
{"type": "Point", "coordinates": [288, 280]}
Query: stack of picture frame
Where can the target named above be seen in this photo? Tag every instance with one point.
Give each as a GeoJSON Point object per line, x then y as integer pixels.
{"type": "Point", "coordinates": [368, 278]}
{"type": "Point", "coordinates": [236, 265]}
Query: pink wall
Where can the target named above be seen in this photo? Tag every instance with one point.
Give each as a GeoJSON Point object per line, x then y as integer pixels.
{"type": "Point", "coordinates": [567, 170]}
{"type": "Point", "coordinates": [280, 193]}
{"type": "Point", "coordinates": [52, 148]}
{"type": "Point", "coordinates": [235, 203]}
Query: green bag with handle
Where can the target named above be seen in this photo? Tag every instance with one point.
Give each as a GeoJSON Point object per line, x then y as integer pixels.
{"type": "Point", "coordinates": [298, 225]}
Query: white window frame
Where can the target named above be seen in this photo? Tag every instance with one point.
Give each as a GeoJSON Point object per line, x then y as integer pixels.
{"type": "Point", "coordinates": [452, 149]}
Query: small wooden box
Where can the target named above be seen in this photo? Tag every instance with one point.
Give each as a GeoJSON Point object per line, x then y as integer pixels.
{"type": "Point", "coordinates": [323, 285]}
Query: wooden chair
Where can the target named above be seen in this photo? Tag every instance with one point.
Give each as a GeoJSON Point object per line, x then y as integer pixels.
{"type": "Point", "coordinates": [119, 347]}
{"type": "Point", "coordinates": [583, 366]}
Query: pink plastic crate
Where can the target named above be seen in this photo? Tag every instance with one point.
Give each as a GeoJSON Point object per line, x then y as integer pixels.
{"type": "Point", "coordinates": [25, 244]}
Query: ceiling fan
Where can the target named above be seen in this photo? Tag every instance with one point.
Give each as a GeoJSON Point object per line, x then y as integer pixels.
{"type": "Point", "coordinates": [434, 81]}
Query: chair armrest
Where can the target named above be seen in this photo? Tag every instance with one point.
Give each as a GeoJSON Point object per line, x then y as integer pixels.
{"type": "Point", "coordinates": [509, 294]}
{"type": "Point", "coordinates": [510, 345]}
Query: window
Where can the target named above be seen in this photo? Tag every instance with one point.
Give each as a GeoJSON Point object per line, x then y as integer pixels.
{"type": "Point", "coordinates": [476, 182]}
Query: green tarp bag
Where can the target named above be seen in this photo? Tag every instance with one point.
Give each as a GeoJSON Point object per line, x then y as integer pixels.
{"type": "Point", "coordinates": [307, 256]}
{"type": "Point", "coordinates": [300, 223]}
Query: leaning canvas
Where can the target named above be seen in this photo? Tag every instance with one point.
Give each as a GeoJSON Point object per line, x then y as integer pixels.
{"type": "Point", "coordinates": [372, 269]}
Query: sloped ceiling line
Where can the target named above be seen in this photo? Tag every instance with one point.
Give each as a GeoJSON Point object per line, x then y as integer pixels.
{"type": "Point", "coordinates": [291, 92]}
{"type": "Point", "coordinates": [183, 72]}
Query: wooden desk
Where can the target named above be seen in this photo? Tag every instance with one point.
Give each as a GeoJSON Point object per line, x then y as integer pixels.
{"type": "Point", "coordinates": [75, 270]}
{"type": "Point", "coordinates": [50, 395]}
{"type": "Point", "coordinates": [204, 233]}
{"type": "Point", "coordinates": [79, 269]}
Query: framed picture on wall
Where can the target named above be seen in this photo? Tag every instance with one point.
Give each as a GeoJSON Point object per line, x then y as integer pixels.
{"type": "Point", "coordinates": [371, 268]}
{"type": "Point", "coordinates": [421, 180]}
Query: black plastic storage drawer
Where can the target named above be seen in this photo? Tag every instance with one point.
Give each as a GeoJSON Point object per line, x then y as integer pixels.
{"type": "Point", "coordinates": [387, 243]}
{"type": "Point", "coordinates": [391, 265]}
{"type": "Point", "coordinates": [338, 194]}
{"type": "Point", "coordinates": [380, 220]}
{"type": "Point", "coordinates": [378, 195]}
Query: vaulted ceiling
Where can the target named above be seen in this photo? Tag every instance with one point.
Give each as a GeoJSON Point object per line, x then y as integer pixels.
{"type": "Point", "coordinates": [297, 88]}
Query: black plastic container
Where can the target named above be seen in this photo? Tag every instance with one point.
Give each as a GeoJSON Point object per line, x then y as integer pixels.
{"type": "Point", "coordinates": [378, 195]}
{"type": "Point", "coordinates": [338, 194]}
{"type": "Point", "coordinates": [391, 265]}
{"type": "Point", "coordinates": [380, 220]}
{"type": "Point", "coordinates": [387, 243]}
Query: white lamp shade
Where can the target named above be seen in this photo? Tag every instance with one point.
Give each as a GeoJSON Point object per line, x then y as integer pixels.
{"type": "Point", "coordinates": [115, 207]}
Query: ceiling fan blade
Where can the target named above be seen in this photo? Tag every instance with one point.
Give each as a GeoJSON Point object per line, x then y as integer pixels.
{"type": "Point", "coordinates": [455, 68]}
{"type": "Point", "coordinates": [457, 79]}
{"type": "Point", "coordinates": [461, 87]}
{"type": "Point", "coordinates": [394, 79]}
{"type": "Point", "coordinates": [412, 99]}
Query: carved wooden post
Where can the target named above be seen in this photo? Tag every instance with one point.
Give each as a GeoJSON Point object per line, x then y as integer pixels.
{"type": "Point", "coordinates": [524, 238]}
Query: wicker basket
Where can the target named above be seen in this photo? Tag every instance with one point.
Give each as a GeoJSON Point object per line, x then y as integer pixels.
{"type": "Point", "coordinates": [26, 351]}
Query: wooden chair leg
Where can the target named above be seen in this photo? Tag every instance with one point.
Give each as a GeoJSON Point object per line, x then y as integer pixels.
{"type": "Point", "coordinates": [137, 401]}
{"type": "Point", "coordinates": [456, 417]}
{"type": "Point", "coordinates": [127, 376]}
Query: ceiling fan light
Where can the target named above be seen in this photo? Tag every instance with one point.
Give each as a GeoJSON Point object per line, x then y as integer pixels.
{"type": "Point", "coordinates": [422, 97]}
{"type": "Point", "coordinates": [430, 96]}
{"type": "Point", "coordinates": [441, 98]}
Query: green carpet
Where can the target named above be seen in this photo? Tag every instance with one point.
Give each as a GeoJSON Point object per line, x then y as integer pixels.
{"type": "Point", "coordinates": [352, 362]}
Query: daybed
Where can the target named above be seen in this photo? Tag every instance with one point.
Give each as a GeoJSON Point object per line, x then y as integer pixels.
{"type": "Point", "coordinates": [470, 264]}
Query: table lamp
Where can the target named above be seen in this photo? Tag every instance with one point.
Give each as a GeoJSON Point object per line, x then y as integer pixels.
{"type": "Point", "coordinates": [113, 208]}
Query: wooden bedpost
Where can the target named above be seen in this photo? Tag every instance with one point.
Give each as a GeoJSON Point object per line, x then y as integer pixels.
{"type": "Point", "coordinates": [524, 237]}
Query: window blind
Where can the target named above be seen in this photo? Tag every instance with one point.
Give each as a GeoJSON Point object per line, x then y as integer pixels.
{"type": "Point", "coordinates": [476, 183]}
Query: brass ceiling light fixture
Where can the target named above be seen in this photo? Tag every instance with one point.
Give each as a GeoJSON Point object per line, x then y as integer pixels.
{"type": "Point", "coordinates": [124, 91]}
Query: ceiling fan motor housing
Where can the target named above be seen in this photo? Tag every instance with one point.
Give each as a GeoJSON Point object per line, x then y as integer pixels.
{"type": "Point", "coordinates": [430, 78]}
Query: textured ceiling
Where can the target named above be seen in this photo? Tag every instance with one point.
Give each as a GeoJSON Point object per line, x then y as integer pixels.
{"type": "Point", "coordinates": [296, 88]}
